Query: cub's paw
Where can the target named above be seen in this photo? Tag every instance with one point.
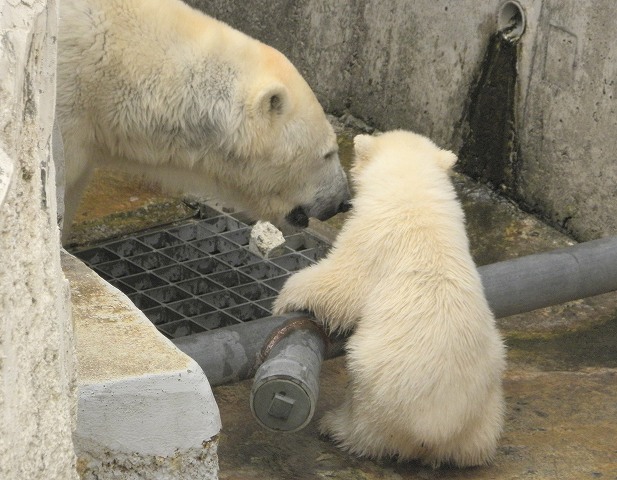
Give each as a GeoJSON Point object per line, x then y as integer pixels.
{"type": "Point", "coordinates": [292, 298]}
{"type": "Point", "coordinates": [285, 303]}
{"type": "Point", "coordinates": [326, 425]}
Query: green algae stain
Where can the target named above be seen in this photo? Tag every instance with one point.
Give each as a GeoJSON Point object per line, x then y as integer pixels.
{"type": "Point", "coordinates": [124, 223]}
{"type": "Point", "coordinates": [488, 152]}
{"type": "Point", "coordinates": [345, 150]}
{"type": "Point", "coordinates": [595, 346]}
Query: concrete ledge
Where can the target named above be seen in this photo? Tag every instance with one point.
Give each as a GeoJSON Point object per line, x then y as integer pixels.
{"type": "Point", "coordinates": [145, 409]}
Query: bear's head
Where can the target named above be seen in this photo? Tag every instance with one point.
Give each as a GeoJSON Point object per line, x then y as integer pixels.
{"type": "Point", "coordinates": [284, 150]}
{"type": "Point", "coordinates": [405, 151]}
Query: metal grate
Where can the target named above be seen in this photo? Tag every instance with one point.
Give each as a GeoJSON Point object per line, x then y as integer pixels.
{"type": "Point", "coordinates": [200, 275]}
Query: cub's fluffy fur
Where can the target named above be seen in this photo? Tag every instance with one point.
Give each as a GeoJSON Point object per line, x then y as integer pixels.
{"type": "Point", "coordinates": [425, 358]}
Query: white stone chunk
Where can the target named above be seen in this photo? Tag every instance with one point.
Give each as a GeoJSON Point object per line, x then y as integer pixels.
{"type": "Point", "coordinates": [266, 240]}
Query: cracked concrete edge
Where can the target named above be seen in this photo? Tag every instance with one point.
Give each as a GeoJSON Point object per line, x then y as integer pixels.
{"type": "Point", "coordinates": [197, 462]}
{"type": "Point", "coordinates": [143, 405]}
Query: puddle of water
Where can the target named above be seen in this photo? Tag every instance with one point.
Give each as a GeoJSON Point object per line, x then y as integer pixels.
{"type": "Point", "coordinates": [260, 271]}
{"type": "Point", "coordinates": [143, 281]}
{"type": "Point", "coordinates": [199, 286]}
{"type": "Point", "coordinates": [176, 273]}
{"type": "Point", "coordinates": [167, 294]}
{"type": "Point", "coordinates": [223, 299]}
{"type": "Point", "coordinates": [214, 320]}
{"type": "Point", "coordinates": [160, 240]}
{"type": "Point", "coordinates": [142, 302]}
{"type": "Point", "coordinates": [191, 308]}
{"type": "Point", "coordinates": [161, 315]}
{"type": "Point", "coordinates": [247, 312]}
{"type": "Point", "coordinates": [152, 261]}
{"type": "Point", "coordinates": [236, 258]}
{"type": "Point", "coordinates": [120, 268]}
{"type": "Point", "coordinates": [255, 291]}
{"type": "Point", "coordinates": [181, 328]}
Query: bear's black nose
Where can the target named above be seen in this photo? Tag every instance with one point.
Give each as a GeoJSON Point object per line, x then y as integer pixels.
{"type": "Point", "coordinates": [298, 217]}
{"type": "Point", "coordinates": [344, 207]}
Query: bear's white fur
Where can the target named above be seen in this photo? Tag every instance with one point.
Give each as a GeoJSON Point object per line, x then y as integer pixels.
{"type": "Point", "coordinates": [425, 358]}
{"type": "Point", "coordinates": [160, 89]}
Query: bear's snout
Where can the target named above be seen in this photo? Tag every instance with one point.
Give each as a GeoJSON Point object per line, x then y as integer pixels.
{"type": "Point", "coordinates": [329, 212]}
{"type": "Point", "coordinates": [299, 217]}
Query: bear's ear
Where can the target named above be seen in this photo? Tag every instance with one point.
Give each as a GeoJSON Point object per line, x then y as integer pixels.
{"type": "Point", "coordinates": [271, 100]}
{"type": "Point", "coordinates": [361, 146]}
{"type": "Point", "coordinates": [446, 159]}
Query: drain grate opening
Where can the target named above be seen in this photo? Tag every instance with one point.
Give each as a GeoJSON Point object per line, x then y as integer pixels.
{"type": "Point", "coordinates": [199, 275]}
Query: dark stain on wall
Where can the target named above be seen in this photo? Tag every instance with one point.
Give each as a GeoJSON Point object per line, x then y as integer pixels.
{"type": "Point", "coordinates": [489, 151]}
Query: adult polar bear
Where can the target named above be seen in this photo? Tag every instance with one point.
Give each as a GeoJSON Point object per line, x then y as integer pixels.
{"type": "Point", "coordinates": [160, 89]}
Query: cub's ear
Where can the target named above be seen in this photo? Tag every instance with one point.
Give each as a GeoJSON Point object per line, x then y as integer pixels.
{"type": "Point", "coordinates": [446, 159]}
{"type": "Point", "coordinates": [273, 99]}
{"type": "Point", "coordinates": [362, 145]}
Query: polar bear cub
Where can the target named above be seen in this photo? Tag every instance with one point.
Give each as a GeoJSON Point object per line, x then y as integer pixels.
{"type": "Point", "coordinates": [425, 358]}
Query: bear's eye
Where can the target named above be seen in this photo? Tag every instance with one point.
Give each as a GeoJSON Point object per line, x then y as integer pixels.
{"type": "Point", "coordinates": [330, 155]}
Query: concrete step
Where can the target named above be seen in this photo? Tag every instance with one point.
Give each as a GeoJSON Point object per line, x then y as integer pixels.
{"type": "Point", "coordinates": [145, 409]}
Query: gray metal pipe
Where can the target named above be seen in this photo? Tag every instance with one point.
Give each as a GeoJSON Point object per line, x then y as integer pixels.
{"type": "Point", "coordinates": [286, 361]}
{"type": "Point", "coordinates": [544, 279]}
{"type": "Point", "coordinates": [231, 354]}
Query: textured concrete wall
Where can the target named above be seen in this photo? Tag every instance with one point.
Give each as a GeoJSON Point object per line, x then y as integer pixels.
{"type": "Point", "coordinates": [37, 400]}
{"type": "Point", "coordinates": [414, 64]}
{"type": "Point", "coordinates": [393, 63]}
{"type": "Point", "coordinates": [568, 117]}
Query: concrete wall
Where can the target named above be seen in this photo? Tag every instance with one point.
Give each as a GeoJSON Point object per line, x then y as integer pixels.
{"type": "Point", "coordinates": [568, 117]}
{"type": "Point", "coordinates": [37, 398]}
{"type": "Point", "coordinates": [415, 64]}
{"type": "Point", "coordinates": [393, 63]}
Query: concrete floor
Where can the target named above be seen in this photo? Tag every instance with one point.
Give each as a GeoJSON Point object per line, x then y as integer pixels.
{"type": "Point", "coordinates": [561, 382]}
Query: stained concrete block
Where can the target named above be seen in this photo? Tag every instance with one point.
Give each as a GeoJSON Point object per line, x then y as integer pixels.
{"type": "Point", "coordinates": [394, 64]}
{"type": "Point", "coordinates": [145, 409]}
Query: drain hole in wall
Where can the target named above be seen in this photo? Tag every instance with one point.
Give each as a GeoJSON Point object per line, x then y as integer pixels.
{"type": "Point", "coordinates": [511, 21]}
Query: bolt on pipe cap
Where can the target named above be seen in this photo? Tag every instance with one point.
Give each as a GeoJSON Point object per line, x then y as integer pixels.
{"type": "Point", "coordinates": [282, 405]}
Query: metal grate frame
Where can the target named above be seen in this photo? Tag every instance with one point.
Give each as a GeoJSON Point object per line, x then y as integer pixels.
{"type": "Point", "coordinates": [200, 275]}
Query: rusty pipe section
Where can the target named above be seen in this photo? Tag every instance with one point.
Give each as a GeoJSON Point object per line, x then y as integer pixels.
{"type": "Point", "coordinates": [286, 384]}
{"type": "Point", "coordinates": [284, 354]}
{"type": "Point", "coordinates": [234, 353]}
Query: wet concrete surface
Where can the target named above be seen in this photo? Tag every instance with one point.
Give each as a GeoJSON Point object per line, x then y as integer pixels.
{"type": "Point", "coordinates": [560, 425]}
{"type": "Point", "coordinates": [561, 381]}
{"type": "Point", "coordinates": [116, 204]}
